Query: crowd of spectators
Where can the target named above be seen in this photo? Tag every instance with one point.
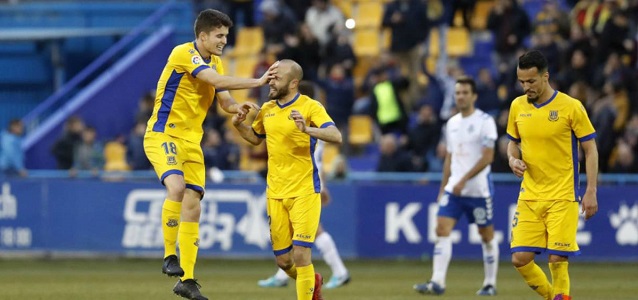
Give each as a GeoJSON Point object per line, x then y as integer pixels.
{"type": "Point", "coordinates": [591, 46]}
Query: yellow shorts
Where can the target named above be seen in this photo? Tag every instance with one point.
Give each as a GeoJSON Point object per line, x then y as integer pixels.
{"type": "Point", "coordinates": [545, 226]}
{"type": "Point", "coordinates": [293, 221]}
{"type": "Point", "coordinates": [171, 155]}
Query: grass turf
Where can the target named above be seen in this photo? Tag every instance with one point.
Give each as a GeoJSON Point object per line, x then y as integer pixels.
{"type": "Point", "coordinates": [123, 279]}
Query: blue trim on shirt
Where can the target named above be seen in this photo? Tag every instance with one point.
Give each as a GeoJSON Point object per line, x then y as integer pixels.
{"type": "Point", "coordinates": [315, 171]}
{"type": "Point", "coordinates": [259, 135]}
{"type": "Point", "coordinates": [327, 124]}
{"type": "Point", "coordinates": [513, 138]}
{"type": "Point", "coordinates": [219, 91]}
{"type": "Point", "coordinates": [289, 102]}
{"type": "Point", "coordinates": [199, 69]}
{"type": "Point", "coordinates": [302, 244]}
{"type": "Point", "coordinates": [537, 250]}
{"type": "Point", "coordinates": [546, 102]}
{"type": "Point", "coordinates": [200, 54]}
{"type": "Point", "coordinates": [587, 137]}
{"type": "Point", "coordinates": [170, 172]}
{"type": "Point", "coordinates": [170, 90]}
{"type": "Point", "coordinates": [282, 251]}
{"type": "Point", "coordinates": [575, 165]}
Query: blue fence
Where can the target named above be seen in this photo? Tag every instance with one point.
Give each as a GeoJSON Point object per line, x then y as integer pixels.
{"type": "Point", "coordinates": [375, 220]}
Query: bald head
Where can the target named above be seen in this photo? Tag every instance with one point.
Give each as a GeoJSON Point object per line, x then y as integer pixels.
{"type": "Point", "coordinates": [291, 68]}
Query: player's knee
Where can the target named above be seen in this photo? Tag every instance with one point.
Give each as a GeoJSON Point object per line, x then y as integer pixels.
{"type": "Point", "coordinates": [175, 189]}
{"type": "Point", "coordinates": [520, 259]}
{"type": "Point", "coordinates": [442, 231]}
{"type": "Point", "coordinates": [284, 263]}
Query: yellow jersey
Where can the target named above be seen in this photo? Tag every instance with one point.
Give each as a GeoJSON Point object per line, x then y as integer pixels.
{"type": "Point", "coordinates": [548, 134]}
{"type": "Point", "coordinates": [292, 169]}
{"type": "Point", "coordinates": [182, 100]}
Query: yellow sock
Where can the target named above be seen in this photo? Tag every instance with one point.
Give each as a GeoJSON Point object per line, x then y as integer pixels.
{"type": "Point", "coordinates": [536, 279]}
{"type": "Point", "coordinates": [292, 272]}
{"type": "Point", "coordinates": [305, 282]}
{"type": "Point", "coordinates": [171, 211]}
{"type": "Point", "coordinates": [560, 277]}
{"type": "Point", "coordinates": [188, 245]}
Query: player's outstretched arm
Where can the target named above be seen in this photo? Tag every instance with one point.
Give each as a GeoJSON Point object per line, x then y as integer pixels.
{"type": "Point", "coordinates": [590, 201]}
{"type": "Point", "coordinates": [229, 105]}
{"type": "Point", "coordinates": [246, 132]}
{"type": "Point", "coordinates": [223, 82]}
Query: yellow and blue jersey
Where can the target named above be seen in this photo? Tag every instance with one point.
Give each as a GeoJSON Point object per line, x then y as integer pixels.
{"type": "Point", "coordinates": [182, 100]}
{"type": "Point", "coordinates": [292, 169]}
{"type": "Point", "coordinates": [549, 135]}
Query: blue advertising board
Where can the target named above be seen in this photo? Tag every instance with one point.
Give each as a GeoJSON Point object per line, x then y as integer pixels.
{"type": "Point", "coordinates": [366, 220]}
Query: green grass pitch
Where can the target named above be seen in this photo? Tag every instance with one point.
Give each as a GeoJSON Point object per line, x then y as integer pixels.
{"type": "Point", "coordinates": [123, 279]}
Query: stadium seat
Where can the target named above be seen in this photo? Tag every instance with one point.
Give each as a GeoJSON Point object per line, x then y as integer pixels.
{"type": "Point", "coordinates": [329, 153]}
{"type": "Point", "coordinates": [369, 14]}
{"type": "Point", "coordinates": [115, 157]}
{"type": "Point", "coordinates": [345, 7]}
{"type": "Point", "coordinates": [250, 40]}
{"type": "Point", "coordinates": [361, 129]}
{"type": "Point", "coordinates": [459, 42]}
{"type": "Point", "coordinates": [366, 42]}
{"type": "Point", "coordinates": [245, 66]}
{"type": "Point", "coordinates": [481, 12]}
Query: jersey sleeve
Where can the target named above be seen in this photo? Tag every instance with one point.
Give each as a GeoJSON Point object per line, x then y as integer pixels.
{"type": "Point", "coordinates": [318, 116]}
{"type": "Point", "coordinates": [185, 62]}
{"type": "Point", "coordinates": [512, 130]}
{"type": "Point", "coordinates": [258, 123]}
{"type": "Point", "coordinates": [580, 123]}
{"type": "Point", "coordinates": [488, 133]}
{"type": "Point", "coordinates": [219, 67]}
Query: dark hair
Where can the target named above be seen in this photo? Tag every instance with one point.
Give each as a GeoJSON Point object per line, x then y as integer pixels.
{"type": "Point", "coordinates": [15, 122]}
{"type": "Point", "coordinates": [467, 80]}
{"type": "Point", "coordinates": [533, 59]}
{"type": "Point", "coordinates": [209, 19]}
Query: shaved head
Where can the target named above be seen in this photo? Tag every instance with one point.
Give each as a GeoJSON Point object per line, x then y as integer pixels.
{"type": "Point", "coordinates": [292, 68]}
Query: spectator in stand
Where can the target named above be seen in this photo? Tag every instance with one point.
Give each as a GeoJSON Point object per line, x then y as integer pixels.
{"type": "Point", "coordinates": [510, 25]}
{"type": "Point", "coordinates": [11, 154]}
{"type": "Point", "coordinates": [323, 16]}
{"type": "Point", "coordinates": [486, 91]}
{"type": "Point", "coordinates": [339, 50]}
{"type": "Point", "coordinates": [299, 8]}
{"type": "Point", "coordinates": [339, 91]}
{"type": "Point", "coordinates": [145, 107]}
{"type": "Point", "coordinates": [245, 7]}
{"type": "Point", "coordinates": [467, 9]}
{"type": "Point", "coordinates": [409, 25]}
{"type": "Point", "coordinates": [424, 137]}
{"type": "Point", "coordinates": [393, 158]}
{"type": "Point", "coordinates": [625, 159]}
{"type": "Point", "coordinates": [579, 70]}
{"type": "Point", "coordinates": [387, 62]}
{"type": "Point", "coordinates": [303, 48]}
{"type": "Point", "coordinates": [386, 105]}
{"type": "Point", "coordinates": [89, 153]}
{"type": "Point", "coordinates": [63, 148]}
{"type": "Point", "coordinates": [276, 25]}
{"type": "Point", "coordinates": [135, 155]}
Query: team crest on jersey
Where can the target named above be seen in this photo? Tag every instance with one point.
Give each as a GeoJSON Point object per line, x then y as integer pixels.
{"type": "Point", "coordinates": [170, 160]}
{"type": "Point", "coordinates": [553, 115]}
{"type": "Point", "coordinates": [196, 60]}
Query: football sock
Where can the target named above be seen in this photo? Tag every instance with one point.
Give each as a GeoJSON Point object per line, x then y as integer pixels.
{"type": "Point", "coordinates": [536, 279]}
{"type": "Point", "coordinates": [560, 277]}
{"type": "Point", "coordinates": [281, 275]}
{"type": "Point", "coordinates": [292, 272]}
{"type": "Point", "coordinates": [305, 282]}
{"type": "Point", "coordinates": [171, 211]}
{"type": "Point", "coordinates": [442, 256]}
{"type": "Point", "coordinates": [490, 262]}
{"type": "Point", "coordinates": [328, 249]}
{"type": "Point", "coordinates": [188, 245]}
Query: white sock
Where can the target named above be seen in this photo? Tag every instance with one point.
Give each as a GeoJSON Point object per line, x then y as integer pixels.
{"type": "Point", "coordinates": [281, 275]}
{"type": "Point", "coordinates": [328, 249]}
{"type": "Point", "coordinates": [490, 261]}
{"type": "Point", "coordinates": [442, 256]}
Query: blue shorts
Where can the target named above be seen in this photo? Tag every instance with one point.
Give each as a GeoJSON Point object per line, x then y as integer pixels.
{"type": "Point", "coordinates": [477, 210]}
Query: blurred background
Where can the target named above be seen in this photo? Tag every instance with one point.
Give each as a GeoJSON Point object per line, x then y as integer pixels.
{"type": "Point", "coordinates": [78, 84]}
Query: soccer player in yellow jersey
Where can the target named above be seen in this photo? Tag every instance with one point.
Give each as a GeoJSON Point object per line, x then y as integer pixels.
{"type": "Point", "coordinates": [291, 124]}
{"type": "Point", "coordinates": [192, 78]}
{"type": "Point", "coordinates": [546, 127]}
